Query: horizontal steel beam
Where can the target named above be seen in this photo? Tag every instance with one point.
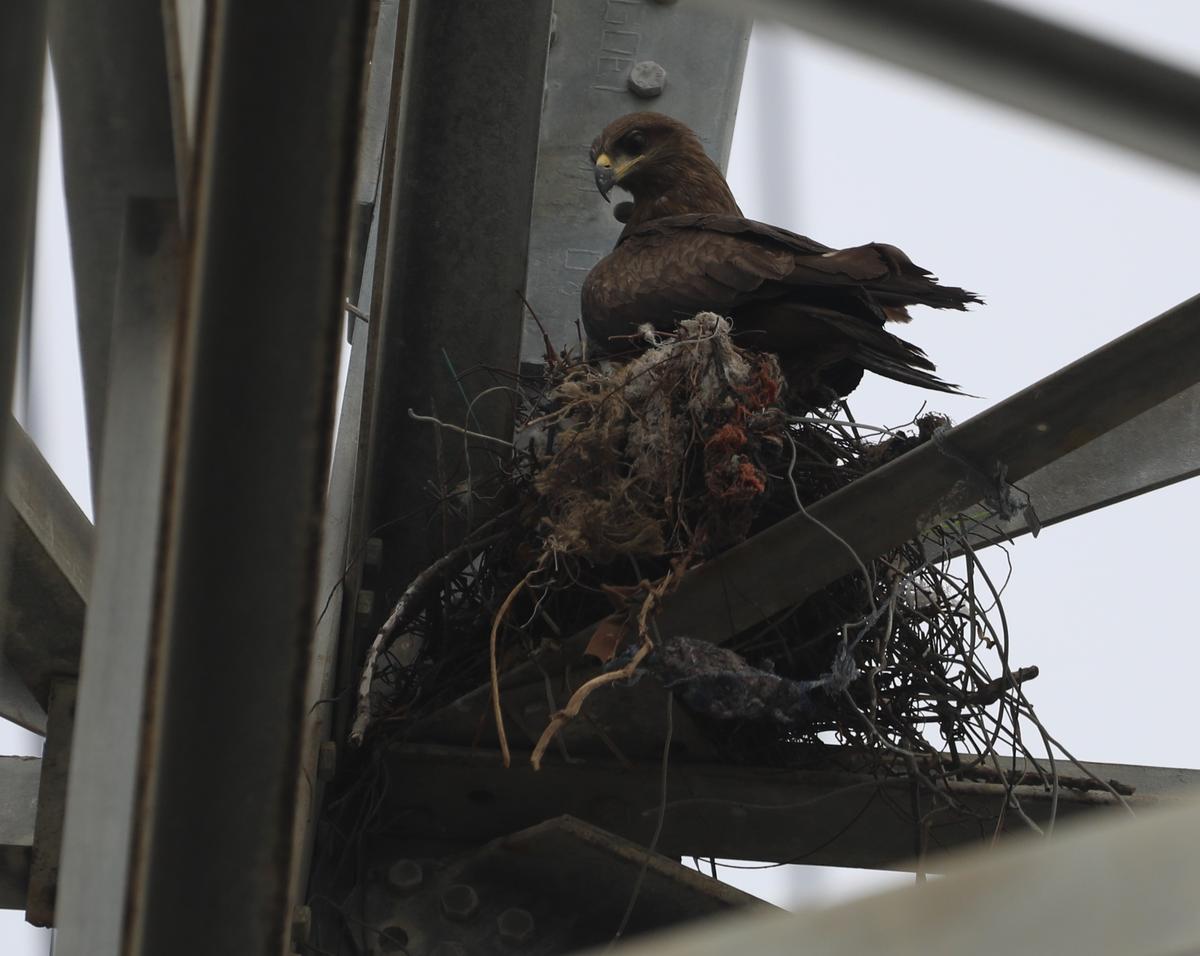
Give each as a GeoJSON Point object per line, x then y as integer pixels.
{"type": "Point", "coordinates": [832, 814]}
{"type": "Point", "coordinates": [19, 778]}
{"type": "Point", "coordinates": [50, 572]}
{"type": "Point", "coordinates": [1020, 60]}
{"type": "Point", "coordinates": [1116, 888]}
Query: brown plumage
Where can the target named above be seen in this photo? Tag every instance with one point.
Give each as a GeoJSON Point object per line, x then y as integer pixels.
{"type": "Point", "coordinates": [686, 248]}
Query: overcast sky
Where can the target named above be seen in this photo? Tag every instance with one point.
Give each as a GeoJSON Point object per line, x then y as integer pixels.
{"type": "Point", "coordinates": [1071, 242]}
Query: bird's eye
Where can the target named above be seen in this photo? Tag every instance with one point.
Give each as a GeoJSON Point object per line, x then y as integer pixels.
{"type": "Point", "coordinates": [636, 141]}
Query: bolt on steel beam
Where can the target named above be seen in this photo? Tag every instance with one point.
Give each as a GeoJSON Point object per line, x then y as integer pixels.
{"type": "Point", "coordinates": [608, 59]}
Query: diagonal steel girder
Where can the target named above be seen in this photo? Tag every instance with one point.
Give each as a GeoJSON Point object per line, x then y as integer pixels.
{"type": "Point", "coordinates": [49, 577]}
{"type": "Point", "coordinates": [787, 562]}
{"type": "Point", "coordinates": [1020, 60]}
{"type": "Point", "coordinates": [1029, 432]}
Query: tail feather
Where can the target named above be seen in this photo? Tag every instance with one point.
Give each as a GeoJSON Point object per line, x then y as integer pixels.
{"type": "Point", "coordinates": [899, 371]}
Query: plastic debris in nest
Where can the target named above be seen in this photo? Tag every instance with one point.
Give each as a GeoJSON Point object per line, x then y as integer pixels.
{"type": "Point", "coordinates": [662, 455]}
{"type": "Point", "coordinates": [719, 683]}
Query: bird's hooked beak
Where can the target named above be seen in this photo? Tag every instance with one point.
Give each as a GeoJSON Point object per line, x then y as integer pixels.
{"type": "Point", "coordinates": [605, 178]}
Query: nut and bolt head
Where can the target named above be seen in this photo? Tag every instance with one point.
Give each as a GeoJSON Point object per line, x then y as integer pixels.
{"type": "Point", "coordinates": [326, 760]}
{"type": "Point", "coordinates": [647, 79]}
{"type": "Point", "coordinates": [301, 925]}
{"type": "Point", "coordinates": [459, 902]}
{"type": "Point", "coordinates": [393, 940]}
{"type": "Point", "coordinates": [373, 555]}
{"type": "Point", "coordinates": [405, 876]}
{"type": "Point", "coordinates": [515, 926]}
{"type": "Point", "coordinates": [364, 611]}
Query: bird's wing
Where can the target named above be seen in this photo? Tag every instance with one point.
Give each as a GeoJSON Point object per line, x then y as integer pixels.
{"type": "Point", "coordinates": [787, 293]}
{"type": "Point", "coordinates": [893, 280]}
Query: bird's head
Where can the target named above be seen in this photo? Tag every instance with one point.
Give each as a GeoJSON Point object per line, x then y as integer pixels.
{"type": "Point", "coordinates": [662, 163]}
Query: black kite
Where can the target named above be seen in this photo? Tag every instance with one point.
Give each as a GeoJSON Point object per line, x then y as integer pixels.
{"type": "Point", "coordinates": [686, 248]}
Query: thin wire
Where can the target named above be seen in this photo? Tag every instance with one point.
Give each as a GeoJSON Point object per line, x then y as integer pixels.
{"type": "Point", "coordinates": [662, 815]}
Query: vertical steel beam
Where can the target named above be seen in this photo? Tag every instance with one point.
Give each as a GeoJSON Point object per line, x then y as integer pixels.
{"type": "Point", "coordinates": [52, 796]}
{"type": "Point", "coordinates": [110, 70]}
{"type": "Point", "coordinates": [19, 778]}
{"type": "Point", "coordinates": [275, 171]}
{"type": "Point", "coordinates": [460, 212]}
{"type": "Point", "coordinates": [121, 617]}
{"type": "Point", "coordinates": [22, 56]}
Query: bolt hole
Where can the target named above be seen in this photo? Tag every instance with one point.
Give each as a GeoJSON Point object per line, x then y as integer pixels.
{"type": "Point", "coordinates": [393, 939]}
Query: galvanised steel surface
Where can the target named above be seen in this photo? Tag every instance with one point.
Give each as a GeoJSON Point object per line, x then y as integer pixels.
{"type": "Point", "coordinates": [1122, 887]}
{"type": "Point", "coordinates": [835, 811]}
{"type": "Point", "coordinates": [50, 573]}
{"type": "Point", "coordinates": [1157, 448]}
{"type": "Point", "coordinates": [683, 60]}
{"type": "Point", "coordinates": [22, 55]}
{"type": "Point", "coordinates": [18, 811]}
{"type": "Point", "coordinates": [110, 71]}
{"type": "Point", "coordinates": [456, 252]}
{"type": "Point", "coordinates": [1020, 60]}
{"type": "Point", "coordinates": [122, 621]}
{"type": "Point", "coordinates": [248, 461]}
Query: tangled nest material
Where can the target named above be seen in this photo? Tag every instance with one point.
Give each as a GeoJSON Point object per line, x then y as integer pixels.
{"type": "Point", "coordinates": [661, 455]}
{"type": "Point", "coordinates": [623, 476]}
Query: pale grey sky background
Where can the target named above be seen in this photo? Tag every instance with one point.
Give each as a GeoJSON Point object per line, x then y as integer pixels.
{"type": "Point", "coordinates": [1072, 242]}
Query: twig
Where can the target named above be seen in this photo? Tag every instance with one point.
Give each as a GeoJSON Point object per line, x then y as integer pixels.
{"type": "Point", "coordinates": [405, 610]}
{"type": "Point", "coordinates": [568, 713]}
{"type": "Point", "coordinates": [495, 670]}
{"type": "Point", "coordinates": [654, 593]}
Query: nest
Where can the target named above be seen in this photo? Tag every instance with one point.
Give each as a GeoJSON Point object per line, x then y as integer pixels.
{"type": "Point", "coordinates": [625, 475]}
